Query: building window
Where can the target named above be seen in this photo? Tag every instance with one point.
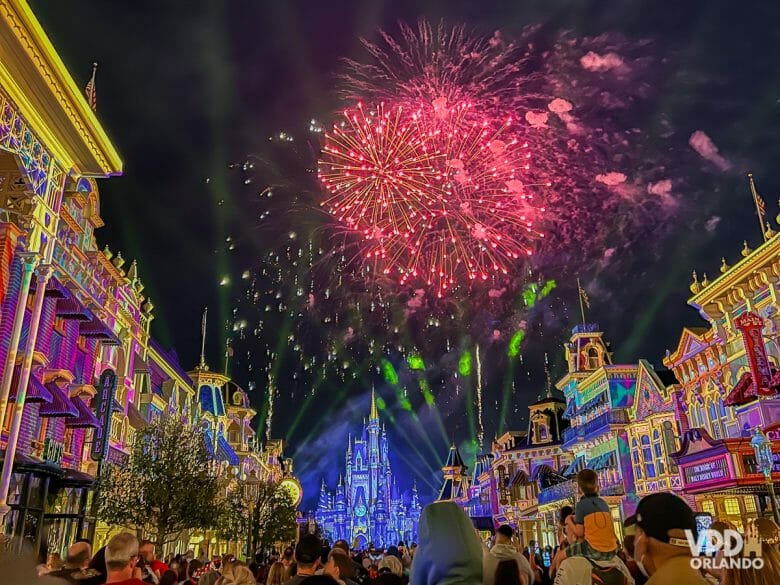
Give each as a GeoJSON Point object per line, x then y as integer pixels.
{"type": "Point", "coordinates": [670, 442]}
{"type": "Point", "coordinates": [714, 420]}
{"type": "Point", "coordinates": [707, 506]}
{"type": "Point", "coordinates": [658, 452]}
{"type": "Point", "coordinates": [637, 463]}
{"type": "Point", "coordinates": [750, 504]}
{"type": "Point", "coordinates": [593, 358]}
{"type": "Point", "coordinates": [647, 455]}
{"type": "Point", "coordinates": [732, 507]}
{"type": "Point", "coordinates": [722, 408]}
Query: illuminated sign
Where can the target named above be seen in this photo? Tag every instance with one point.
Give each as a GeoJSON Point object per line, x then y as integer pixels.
{"type": "Point", "coordinates": [105, 402]}
{"type": "Point", "coordinates": [708, 471]}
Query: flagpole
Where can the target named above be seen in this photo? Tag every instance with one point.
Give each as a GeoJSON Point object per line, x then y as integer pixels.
{"type": "Point", "coordinates": [758, 205]}
{"type": "Point", "coordinates": [579, 295]}
{"type": "Point", "coordinates": [203, 338]}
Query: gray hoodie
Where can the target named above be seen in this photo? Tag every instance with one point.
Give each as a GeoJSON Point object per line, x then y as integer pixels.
{"type": "Point", "coordinates": [505, 552]}
{"type": "Point", "coordinates": [448, 552]}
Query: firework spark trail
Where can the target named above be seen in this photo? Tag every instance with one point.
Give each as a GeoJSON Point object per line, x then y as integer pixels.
{"type": "Point", "coordinates": [438, 196]}
{"type": "Point", "coordinates": [480, 425]}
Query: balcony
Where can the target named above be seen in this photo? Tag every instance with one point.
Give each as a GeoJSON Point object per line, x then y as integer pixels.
{"type": "Point", "coordinates": [566, 490]}
{"type": "Point", "coordinates": [594, 428]}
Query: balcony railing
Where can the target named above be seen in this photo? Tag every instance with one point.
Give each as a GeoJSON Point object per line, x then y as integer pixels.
{"type": "Point", "coordinates": [561, 491]}
{"type": "Point", "coordinates": [593, 428]}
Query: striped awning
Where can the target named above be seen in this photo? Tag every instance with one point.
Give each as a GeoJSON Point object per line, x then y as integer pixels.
{"type": "Point", "coordinates": [519, 478]}
{"type": "Point", "coordinates": [36, 391]}
{"type": "Point", "coordinates": [603, 461]}
{"type": "Point", "coordinates": [574, 467]}
{"type": "Point", "coordinates": [71, 309]}
{"type": "Point", "coordinates": [60, 406]}
{"type": "Point", "coordinates": [86, 418]}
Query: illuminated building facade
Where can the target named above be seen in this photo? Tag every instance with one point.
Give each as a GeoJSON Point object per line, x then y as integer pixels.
{"type": "Point", "coordinates": [71, 311]}
{"type": "Point", "coordinates": [367, 506]}
{"type": "Point", "coordinates": [729, 385]}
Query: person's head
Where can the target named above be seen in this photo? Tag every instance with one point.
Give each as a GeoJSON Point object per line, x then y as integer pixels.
{"type": "Point", "coordinates": [193, 567]}
{"type": "Point", "coordinates": [169, 577]}
{"type": "Point", "coordinates": [339, 566]}
{"type": "Point", "coordinates": [504, 534]}
{"type": "Point", "coordinates": [569, 529]}
{"type": "Point", "coordinates": [391, 564]}
{"type": "Point", "coordinates": [768, 534]}
{"type": "Point", "coordinates": [307, 553]}
{"type": "Point", "coordinates": [288, 554]}
{"type": "Point", "coordinates": [182, 569]}
{"type": "Point", "coordinates": [341, 545]}
{"type": "Point", "coordinates": [146, 550]}
{"type": "Point", "coordinates": [563, 513]}
{"type": "Point", "coordinates": [79, 555]}
{"type": "Point", "coordinates": [210, 577]}
{"type": "Point", "coordinates": [588, 482]}
{"type": "Point", "coordinates": [449, 548]}
{"type": "Point", "coordinates": [661, 522]}
{"type": "Point", "coordinates": [236, 573]}
{"type": "Point", "coordinates": [532, 544]}
{"type": "Point", "coordinates": [393, 551]}
{"type": "Point", "coordinates": [122, 555]}
{"type": "Point", "coordinates": [276, 574]}
{"type": "Point", "coordinates": [507, 573]}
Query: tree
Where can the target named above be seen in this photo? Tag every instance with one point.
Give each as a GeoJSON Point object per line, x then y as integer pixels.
{"type": "Point", "coordinates": [273, 516]}
{"type": "Point", "coordinates": [232, 511]}
{"type": "Point", "coordinates": [168, 486]}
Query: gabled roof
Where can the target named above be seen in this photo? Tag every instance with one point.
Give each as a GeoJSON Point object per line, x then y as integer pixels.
{"type": "Point", "coordinates": [692, 341]}
{"type": "Point", "coordinates": [453, 458]}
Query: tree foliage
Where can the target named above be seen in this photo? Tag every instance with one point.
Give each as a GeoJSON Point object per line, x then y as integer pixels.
{"type": "Point", "coordinates": [273, 516]}
{"type": "Point", "coordinates": [232, 511]}
{"type": "Point", "coordinates": [168, 486]}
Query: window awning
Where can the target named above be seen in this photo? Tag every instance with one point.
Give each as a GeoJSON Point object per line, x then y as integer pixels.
{"type": "Point", "coordinates": [574, 467]}
{"type": "Point", "coordinates": [519, 478]}
{"type": "Point", "coordinates": [36, 391]}
{"type": "Point", "coordinates": [60, 406]}
{"type": "Point", "coordinates": [86, 418]}
{"type": "Point", "coordinates": [603, 461]}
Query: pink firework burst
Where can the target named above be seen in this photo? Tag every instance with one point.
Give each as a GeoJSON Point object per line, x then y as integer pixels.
{"type": "Point", "coordinates": [435, 194]}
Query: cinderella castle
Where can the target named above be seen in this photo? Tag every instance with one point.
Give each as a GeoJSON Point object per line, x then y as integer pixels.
{"type": "Point", "coordinates": [367, 507]}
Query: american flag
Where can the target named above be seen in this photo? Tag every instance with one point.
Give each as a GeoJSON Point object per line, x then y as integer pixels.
{"type": "Point", "coordinates": [89, 91]}
{"type": "Point", "coordinates": [583, 295]}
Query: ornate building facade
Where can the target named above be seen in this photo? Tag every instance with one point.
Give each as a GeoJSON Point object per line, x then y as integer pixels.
{"type": "Point", "coordinates": [367, 506]}
{"type": "Point", "coordinates": [72, 311]}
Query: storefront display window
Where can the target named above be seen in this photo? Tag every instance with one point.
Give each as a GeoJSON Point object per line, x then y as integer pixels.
{"type": "Point", "coordinates": [732, 507]}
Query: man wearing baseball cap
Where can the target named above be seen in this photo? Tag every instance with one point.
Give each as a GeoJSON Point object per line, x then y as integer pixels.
{"type": "Point", "coordinates": [660, 546]}
{"type": "Point", "coordinates": [307, 559]}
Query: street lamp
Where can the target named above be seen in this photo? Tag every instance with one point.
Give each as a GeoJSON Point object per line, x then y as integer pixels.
{"type": "Point", "coordinates": [763, 448]}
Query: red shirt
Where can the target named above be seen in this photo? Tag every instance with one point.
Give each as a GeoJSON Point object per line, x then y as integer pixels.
{"type": "Point", "coordinates": [159, 566]}
{"type": "Point", "coordinates": [129, 582]}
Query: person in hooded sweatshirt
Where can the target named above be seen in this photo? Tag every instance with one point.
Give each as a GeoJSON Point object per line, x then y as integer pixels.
{"type": "Point", "coordinates": [503, 550]}
{"type": "Point", "coordinates": [449, 551]}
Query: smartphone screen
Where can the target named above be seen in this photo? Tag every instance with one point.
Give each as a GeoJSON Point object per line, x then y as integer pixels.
{"type": "Point", "coordinates": [703, 522]}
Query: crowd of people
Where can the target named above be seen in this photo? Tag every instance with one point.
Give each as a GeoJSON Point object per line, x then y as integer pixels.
{"type": "Point", "coordinates": [655, 551]}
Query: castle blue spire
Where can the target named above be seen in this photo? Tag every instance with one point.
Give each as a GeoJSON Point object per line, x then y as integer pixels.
{"type": "Point", "coordinates": [367, 506]}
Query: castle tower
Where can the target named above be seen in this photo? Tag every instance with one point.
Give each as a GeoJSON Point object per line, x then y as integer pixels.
{"type": "Point", "coordinates": [454, 472]}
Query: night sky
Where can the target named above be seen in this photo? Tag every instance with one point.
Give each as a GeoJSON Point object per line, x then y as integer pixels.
{"type": "Point", "coordinates": [187, 89]}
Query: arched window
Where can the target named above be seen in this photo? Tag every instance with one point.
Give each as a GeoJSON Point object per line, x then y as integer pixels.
{"type": "Point", "coordinates": [722, 409]}
{"type": "Point", "coordinates": [635, 457]}
{"type": "Point", "coordinates": [593, 358]}
{"type": "Point", "coordinates": [647, 455]}
{"type": "Point", "coordinates": [670, 442]}
{"type": "Point", "coordinates": [712, 414]}
{"type": "Point", "coordinates": [658, 452]}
